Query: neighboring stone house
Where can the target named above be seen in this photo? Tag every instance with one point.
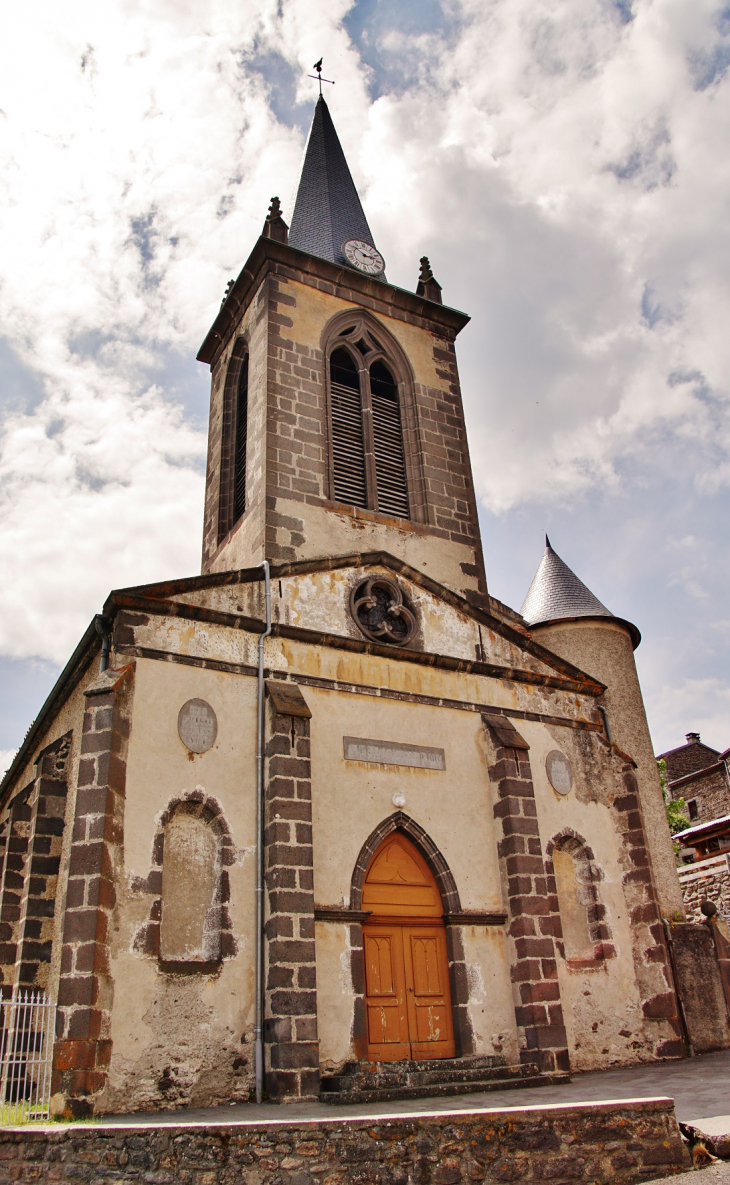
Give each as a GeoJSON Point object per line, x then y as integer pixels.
{"type": "Point", "coordinates": [308, 826]}
{"type": "Point", "coordinates": [699, 775]}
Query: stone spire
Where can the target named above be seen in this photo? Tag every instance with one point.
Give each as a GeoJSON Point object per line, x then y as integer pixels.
{"type": "Point", "coordinates": [556, 593]}
{"type": "Point", "coordinates": [327, 210]}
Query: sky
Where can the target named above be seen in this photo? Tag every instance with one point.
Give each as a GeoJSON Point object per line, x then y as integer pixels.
{"type": "Point", "coordinates": [564, 165]}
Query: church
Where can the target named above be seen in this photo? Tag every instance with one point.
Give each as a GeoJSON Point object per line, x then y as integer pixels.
{"type": "Point", "coordinates": [330, 820]}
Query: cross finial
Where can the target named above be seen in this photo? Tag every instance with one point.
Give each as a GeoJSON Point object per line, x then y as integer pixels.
{"type": "Point", "coordinates": [318, 67]}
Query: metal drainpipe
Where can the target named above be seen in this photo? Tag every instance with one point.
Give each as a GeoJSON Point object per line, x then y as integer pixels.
{"type": "Point", "coordinates": [259, 1020]}
{"type": "Point", "coordinates": [103, 627]}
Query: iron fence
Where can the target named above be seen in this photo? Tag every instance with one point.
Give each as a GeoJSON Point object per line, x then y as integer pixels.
{"type": "Point", "coordinates": [27, 1027]}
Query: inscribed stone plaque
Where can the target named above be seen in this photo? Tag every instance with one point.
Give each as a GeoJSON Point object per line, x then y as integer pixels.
{"type": "Point", "coordinates": [393, 753]}
{"type": "Point", "coordinates": [559, 771]}
{"type": "Point", "coordinates": [197, 726]}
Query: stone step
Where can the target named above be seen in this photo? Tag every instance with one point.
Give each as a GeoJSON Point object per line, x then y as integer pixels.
{"type": "Point", "coordinates": [413, 1074]}
{"type": "Point", "coordinates": [395, 1069]}
{"type": "Point", "coordinates": [442, 1090]}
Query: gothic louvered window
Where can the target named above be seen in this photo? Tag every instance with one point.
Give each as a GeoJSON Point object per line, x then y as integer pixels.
{"type": "Point", "coordinates": [368, 456]}
{"type": "Point", "coordinates": [390, 461]}
{"type": "Point", "coordinates": [234, 439]}
{"type": "Point", "coordinates": [239, 452]}
{"type": "Point", "coordinates": [348, 442]}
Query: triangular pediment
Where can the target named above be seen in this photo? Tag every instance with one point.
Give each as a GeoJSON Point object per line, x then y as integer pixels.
{"type": "Point", "coordinates": [315, 600]}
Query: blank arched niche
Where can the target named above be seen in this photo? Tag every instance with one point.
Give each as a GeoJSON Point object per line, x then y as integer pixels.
{"type": "Point", "coordinates": [190, 928]}
{"type": "Point", "coordinates": [582, 914]}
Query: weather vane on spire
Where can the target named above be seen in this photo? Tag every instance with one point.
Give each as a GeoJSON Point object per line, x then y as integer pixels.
{"type": "Point", "coordinates": [318, 67]}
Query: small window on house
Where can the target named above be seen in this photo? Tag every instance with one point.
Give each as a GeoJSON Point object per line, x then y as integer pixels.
{"type": "Point", "coordinates": [190, 923]}
{"type": "Point", "coordinates": [692, 808]}
{"type": "Point", "coordinates": [713, 845]}
{"type": "Point", "coordinates": [241, 441]}
{"type": "Point", "coordinates": [368, 453]}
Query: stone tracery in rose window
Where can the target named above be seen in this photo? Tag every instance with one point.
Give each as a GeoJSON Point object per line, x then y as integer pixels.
{"type": "Point", "coordinates": [380, 611]}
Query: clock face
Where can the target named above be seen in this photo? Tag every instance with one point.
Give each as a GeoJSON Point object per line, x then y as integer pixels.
{"type": "Point", "coordinates": [364, 257]}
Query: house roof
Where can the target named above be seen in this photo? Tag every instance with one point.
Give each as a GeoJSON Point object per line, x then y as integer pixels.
{"type": "Point", "coordinates": [557, 594]}
{"type": "Point", "coordinates": [327, 210]}
{"type": "Point", "coordinates": [704, 830]}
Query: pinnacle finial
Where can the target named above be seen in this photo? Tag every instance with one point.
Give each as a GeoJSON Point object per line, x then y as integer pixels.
{"type": "Point", "coordinates": [275, 226]}
{"type": "Point", "coordinates": [547, 542]}
{"type": "Point", "coordinates": [428, 286]}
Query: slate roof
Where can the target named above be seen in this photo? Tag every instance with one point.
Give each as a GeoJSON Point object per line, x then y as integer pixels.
{"type": "Point", "coordinates": [327, 210]}
{"type": "Point", "coordinates": [556, 593]}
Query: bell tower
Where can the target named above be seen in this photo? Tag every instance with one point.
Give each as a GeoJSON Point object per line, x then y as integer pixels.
{"type": "Point", "coordinates": [336, 420]}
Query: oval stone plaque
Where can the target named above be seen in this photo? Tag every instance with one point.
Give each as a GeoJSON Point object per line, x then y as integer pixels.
{"type": "Point", "coordinates": [559, 771]}
{"type": "Point", "coordinates": [197, 725]}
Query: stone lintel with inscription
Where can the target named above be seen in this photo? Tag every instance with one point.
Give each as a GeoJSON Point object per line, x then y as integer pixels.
{"type": "Point", "coordinates": [393, 753]}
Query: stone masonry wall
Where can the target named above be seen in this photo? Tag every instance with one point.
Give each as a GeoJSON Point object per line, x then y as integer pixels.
{"type": "Point", "coordinates": [289, 445]}
{"type": "Point", "coordinates": [710, 791]}
{"type": "Point", "coordinates": [35, 932]}
{"type": "Point", "coordinates": [531, 895]}
{"type": "Point", "coordinates": [298, 432]}
{"type": "Point", "coordinates": [83, 1046]}
{"type": "Point", "coordinates": [290, 1028]}
{"type": "Point", "coordinates": [711, 883]}
{"type": "Point", "coordinates": [250, 336]}
{"type": "Point", "coordinates": [13, 881]}
{"type": "Point", "coordinates": [651, 960]}
{"type": "Point", "coordinates": [599, 1143]}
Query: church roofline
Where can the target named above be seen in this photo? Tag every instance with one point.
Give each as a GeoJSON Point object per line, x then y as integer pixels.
{"type": "Point", "coordinates": [157, 599]}
{"type": "Point", "coordinates": [377, 295]}
{"type": "Point", "coordinates": [166, 590]}
{"type": "Point", "coordinates": [581, 683]}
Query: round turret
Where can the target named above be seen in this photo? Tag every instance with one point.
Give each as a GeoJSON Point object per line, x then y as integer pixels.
{"type": "Point", "coordinates": [565, 616]}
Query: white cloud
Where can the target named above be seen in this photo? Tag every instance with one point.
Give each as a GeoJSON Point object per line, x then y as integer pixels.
{"type": "Point", "coordinates": [6, 758]}
{"type": "Point", "coordinates": [695, 705]}
{"type": "Point", "coordinates": [564, 164]}
{"type": "Point", "coordinates": [572, 181]}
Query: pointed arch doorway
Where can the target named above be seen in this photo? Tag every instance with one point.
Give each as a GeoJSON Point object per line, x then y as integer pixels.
{"type": "Point", "coordinates": [407, 997]}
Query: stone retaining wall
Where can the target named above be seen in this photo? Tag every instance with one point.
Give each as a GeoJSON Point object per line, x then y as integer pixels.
{"type": "Point", "coordinates": [606, 1143]}
{"type": "Point", "coordinates": [706, 880]}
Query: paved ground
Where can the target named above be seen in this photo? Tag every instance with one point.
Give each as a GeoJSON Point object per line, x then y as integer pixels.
{"type": "Point", "coordinates": [700, 1087]}
{"type": "Point", "coordinates": [714, 1174]}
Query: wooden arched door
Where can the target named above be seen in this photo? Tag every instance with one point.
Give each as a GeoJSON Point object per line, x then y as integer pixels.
{"type": "Point", "coordinates": [408, 1002]}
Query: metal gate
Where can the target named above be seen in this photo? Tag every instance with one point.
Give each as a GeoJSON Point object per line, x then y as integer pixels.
{"type": "Point", "coordinates": [27, 1027]}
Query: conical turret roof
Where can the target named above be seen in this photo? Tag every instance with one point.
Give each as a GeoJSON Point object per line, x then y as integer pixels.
{"type": "Point", "coordinates": [327, 210]}
{"type": "Point", "coordinates": [557, 593]}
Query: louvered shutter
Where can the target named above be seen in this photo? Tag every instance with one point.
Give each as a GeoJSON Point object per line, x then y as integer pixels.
{"type": "Point", "coordinates": [390, 460]}
{"type": "Point", "coordinates": [239, 453]}
{"type": "Point", "coordinates": [348, 447]}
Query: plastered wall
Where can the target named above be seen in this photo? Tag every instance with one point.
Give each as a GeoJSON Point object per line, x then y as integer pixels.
{"type": "Point", "coordinates": [182, 1038]}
